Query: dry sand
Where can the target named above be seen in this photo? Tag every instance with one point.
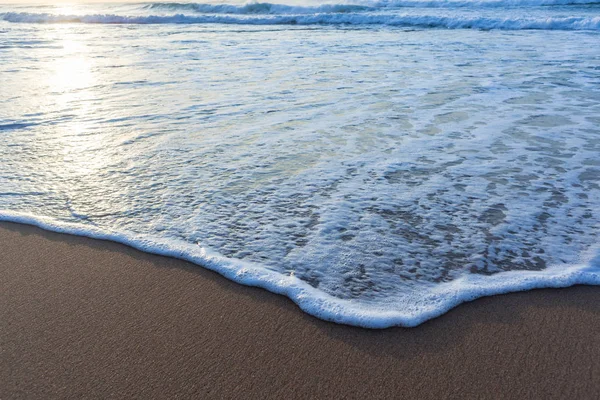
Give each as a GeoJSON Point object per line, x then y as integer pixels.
{"type": "Point", "coordinates": [82, 318]}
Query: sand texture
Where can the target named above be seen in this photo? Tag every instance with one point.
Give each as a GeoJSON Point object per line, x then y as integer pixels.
{"type": "Point", "coordinates": [82, 318]}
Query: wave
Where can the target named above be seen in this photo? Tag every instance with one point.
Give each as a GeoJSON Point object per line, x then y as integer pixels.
{"type": "Point", "coordinates": [354, 19]}
{"type": "Point", "coordinates": [258, 8]}
{"type": "Point", "coordinates": [410, 310]}
{"type": "Point", "coordinates": [484, 3]}
{"type": "Point", "coordinates": [275, 8]}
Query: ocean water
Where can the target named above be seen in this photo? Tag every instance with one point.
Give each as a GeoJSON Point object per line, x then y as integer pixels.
{"type": "Point", "coordinates": [378, 162]}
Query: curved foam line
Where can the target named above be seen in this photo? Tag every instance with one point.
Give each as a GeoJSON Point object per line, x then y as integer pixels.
{"type": "Point", "coordinates": [440, 299]}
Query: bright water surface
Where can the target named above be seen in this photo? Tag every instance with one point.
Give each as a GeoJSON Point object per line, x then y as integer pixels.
{"type": "Point", "coordinates": [377, 163]}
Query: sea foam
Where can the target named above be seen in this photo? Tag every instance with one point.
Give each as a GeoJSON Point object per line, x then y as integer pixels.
{"type": "Point", "coordinates": [356, 19]}
{"type": "Point", "coordinates": [376, 176]}
{"type": "Point", "coordinates": [410, 310]}
{"type": "Point", "coordinates": [281, 8]}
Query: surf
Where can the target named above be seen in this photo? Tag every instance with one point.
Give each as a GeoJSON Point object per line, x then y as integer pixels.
{"type": "Point", "coordinates": [335, 19]}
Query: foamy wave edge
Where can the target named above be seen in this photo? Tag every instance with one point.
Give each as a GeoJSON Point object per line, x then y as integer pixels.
{"type": "Point", "coordinates": [425, 21]}
{"type": "Point", "coordinates": [440, 298]}
{"type": "Point", "coordinates": [254, 7]}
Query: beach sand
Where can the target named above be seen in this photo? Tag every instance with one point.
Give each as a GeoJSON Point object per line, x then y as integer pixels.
{"type": "Point", "coordinates": [83, 318]}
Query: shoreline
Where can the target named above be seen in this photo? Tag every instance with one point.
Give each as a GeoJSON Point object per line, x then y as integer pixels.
{"type": "Point", "coordinates": [318, 303]}
{"type": "Point", "coordinates": [90, 318]}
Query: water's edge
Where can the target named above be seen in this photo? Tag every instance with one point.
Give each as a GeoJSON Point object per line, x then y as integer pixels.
{"type": "Point", "coordinates": [441, 299]}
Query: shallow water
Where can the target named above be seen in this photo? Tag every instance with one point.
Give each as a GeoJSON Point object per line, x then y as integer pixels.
{"type": "Point", "coordinates": [377, 173]}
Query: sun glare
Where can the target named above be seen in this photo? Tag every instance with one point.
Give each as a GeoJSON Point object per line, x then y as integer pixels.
{"type": "Point", "coordinates": [72, 69]}
{"type": "Point", "coordinates": [72, 83]}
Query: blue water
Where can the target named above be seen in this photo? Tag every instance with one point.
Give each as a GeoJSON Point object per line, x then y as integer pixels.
{"type": "Point", "coordinates": [377, 162]}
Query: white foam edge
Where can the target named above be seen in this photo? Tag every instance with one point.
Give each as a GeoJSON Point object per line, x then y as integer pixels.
{"type": "Point", "coordinates": [401, 20]}
{"type": "Point", "coordinates": [440, 299]}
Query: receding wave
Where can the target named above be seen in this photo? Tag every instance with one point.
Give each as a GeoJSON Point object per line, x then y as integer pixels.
{"type": "Point", "coordinates": [435, 302]}
{"type": "Point", "coordinates": [356, 19]}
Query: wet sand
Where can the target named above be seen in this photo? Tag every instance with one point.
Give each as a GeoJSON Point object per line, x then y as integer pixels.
{"type": "Point", "coordinates": [82, 318]}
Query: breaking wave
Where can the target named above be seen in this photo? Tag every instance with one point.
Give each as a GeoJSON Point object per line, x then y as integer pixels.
{"type": "Point", "coordinates": [356, 19]}
{"type": "Point", "coordinates": [274, 8]}
{"type": "Point", "coordinates": [258, 8]}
